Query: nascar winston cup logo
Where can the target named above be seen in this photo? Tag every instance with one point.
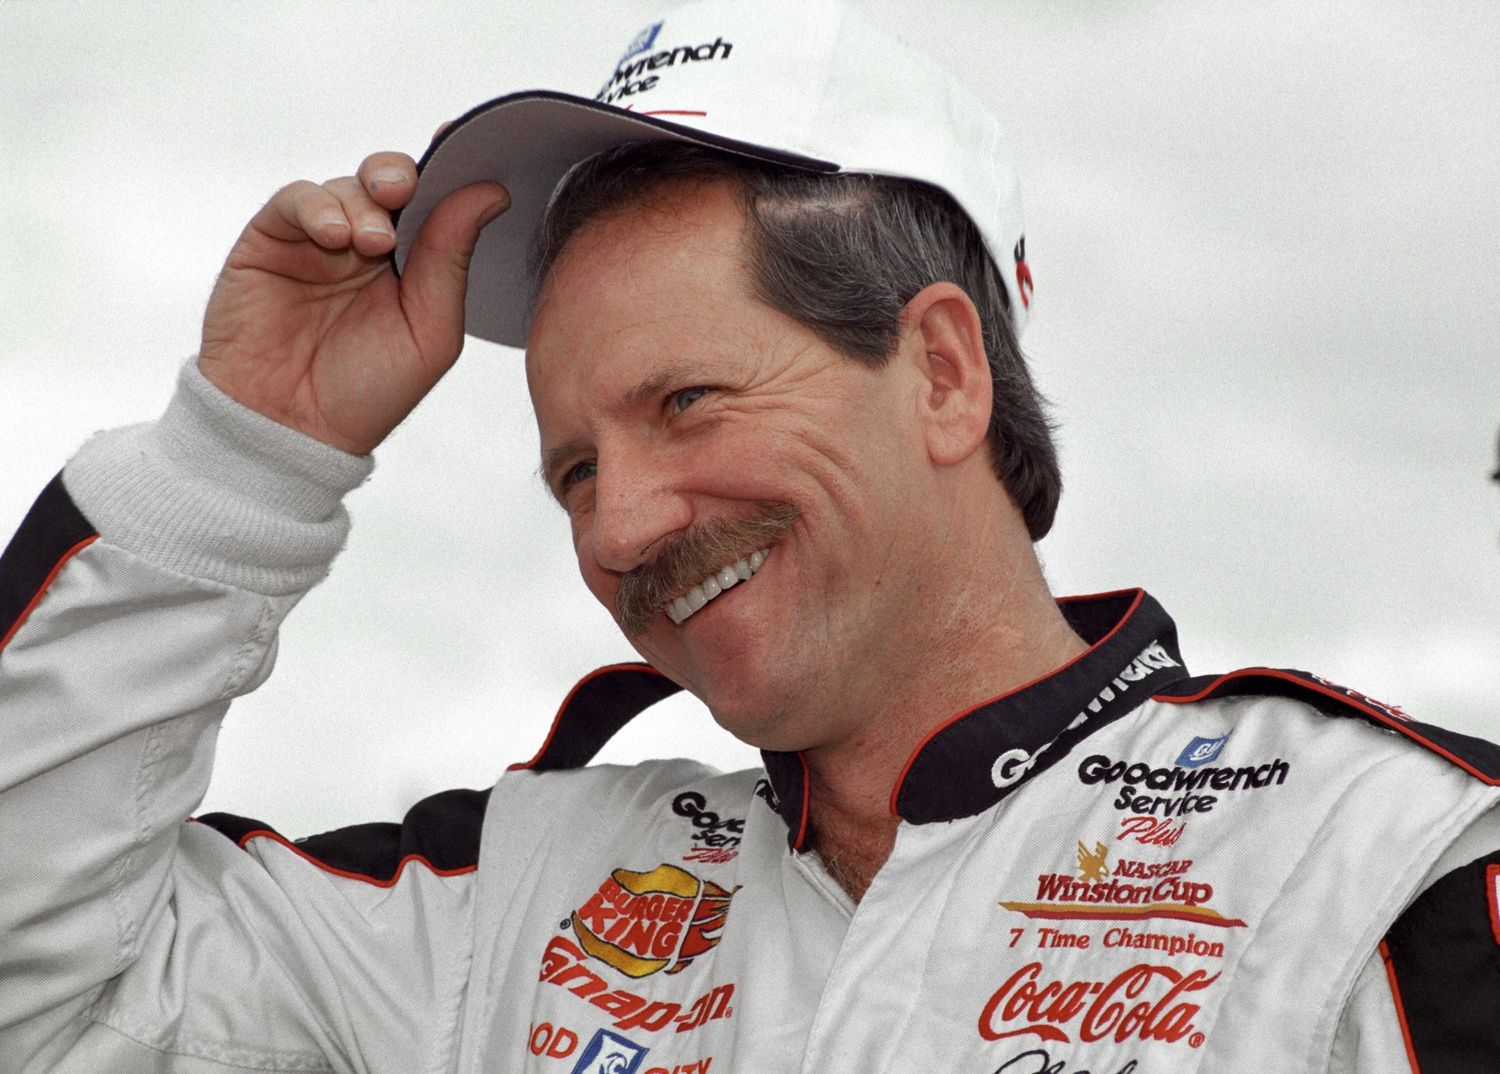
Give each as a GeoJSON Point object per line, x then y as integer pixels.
{"type": "Point", "coordinates": [644, 923]}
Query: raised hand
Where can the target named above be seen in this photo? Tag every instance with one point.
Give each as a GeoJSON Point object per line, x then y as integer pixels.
{"type": "Point", "coordinates": [309, 325]}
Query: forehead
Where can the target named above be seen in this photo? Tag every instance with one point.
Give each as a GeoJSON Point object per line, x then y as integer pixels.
{"type": "Point", "coordinates": [642, 282]}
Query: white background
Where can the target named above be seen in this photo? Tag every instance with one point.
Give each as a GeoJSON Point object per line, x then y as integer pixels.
{"type": "Point", "coordinates": [1265, 246]}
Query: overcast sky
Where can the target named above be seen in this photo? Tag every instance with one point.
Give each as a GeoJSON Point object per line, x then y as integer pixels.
{"type": "Point", "coordinates": [1266, 246]}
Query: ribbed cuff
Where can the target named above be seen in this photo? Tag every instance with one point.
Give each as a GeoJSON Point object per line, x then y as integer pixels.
{"type": "Point", "coordinates": [215, 490]}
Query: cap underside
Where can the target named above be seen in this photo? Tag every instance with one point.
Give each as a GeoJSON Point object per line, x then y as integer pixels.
{"type": "Point", "coordinates": [528, 142]}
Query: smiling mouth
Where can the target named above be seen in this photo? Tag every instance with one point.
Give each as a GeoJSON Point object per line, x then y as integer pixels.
{"type": "Point", "coordinates": [679, 609]}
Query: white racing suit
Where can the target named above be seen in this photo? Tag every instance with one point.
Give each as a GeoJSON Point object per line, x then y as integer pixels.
{"type": "Point", "coordinates": [1118, 868]}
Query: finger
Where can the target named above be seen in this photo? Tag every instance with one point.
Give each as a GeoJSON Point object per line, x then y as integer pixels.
{"type": "Point", "coordinates": [442, 129]}
{"type": "Point", "coordinates": [437, 268]}
{"type": "Point", "coordinates": [389, 178]}
{"type": "Point", "coordinates": [301, 211]}
{"type": "Point", "coordinates": [373, 233]}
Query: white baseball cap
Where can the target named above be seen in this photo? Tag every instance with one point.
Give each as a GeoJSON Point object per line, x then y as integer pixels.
{"type": "Point", "coordinates": [808, 84]}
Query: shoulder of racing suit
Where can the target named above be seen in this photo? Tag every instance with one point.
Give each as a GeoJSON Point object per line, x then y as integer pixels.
{"type": "Point", "coordinates": [1442, 955]}
{"type": "Point", "coordinates": [441, 832]}
{"type": "Point", "coordinates": [1476, 756]}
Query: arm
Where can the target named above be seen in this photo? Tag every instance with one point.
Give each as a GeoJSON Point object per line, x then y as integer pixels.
{"type": "Point", "coordinates": [1428, 1000]}
{"type": "Point", "coordinates": [121, 652]}
{"type": "Point", "coordinates": [118, 668]}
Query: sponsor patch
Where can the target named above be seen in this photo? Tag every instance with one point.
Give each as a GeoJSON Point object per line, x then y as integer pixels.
{"type": "Point", "coordinates": [610, 1053]}
{"type": "Point", "coordinates": [643, 40]}
{"type": "Point", "coordinates": [1013, 765]}
{"type": "Point", "coordinates": [1128, 890]}
{"type": "Point", "coordinates": [566, 965]}
{"type": "Point", "coordinates": [644, 923]}
{"type": "Point", "coordinates": [1151, 831]}
{"type": "Point", "coordinates": [1392, 711]}
{"type": "Point", "coordinates": [715, 840]}
{"type": "Point", "coordinates": [1144, 1002]}
{"type": "Point", "coordinates": [1039, 1061]}
{"type": "Point", "coordinates": [767, 794]}
{"type": "Point", "coordinates": [639, 73]}
{"type": "Point", "coordinates": [1185, 787]}
{"type": "Point", "coordinates": [1200, 751]}
{"type": "Point", "coordinates": [1023, 273]}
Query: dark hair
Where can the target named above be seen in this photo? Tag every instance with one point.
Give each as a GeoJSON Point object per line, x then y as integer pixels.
{"type": "Point", "coordinates": [843, 254]}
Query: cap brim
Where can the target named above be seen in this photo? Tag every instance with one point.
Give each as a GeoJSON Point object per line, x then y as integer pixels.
{"type": "Point", "coordinates": [528, 142]}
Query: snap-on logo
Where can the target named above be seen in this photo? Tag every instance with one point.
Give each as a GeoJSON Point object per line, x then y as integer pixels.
{"type": "Point", "coordinates": [643, 923]}
{"type": "Point", "coordinates": [566, 965]}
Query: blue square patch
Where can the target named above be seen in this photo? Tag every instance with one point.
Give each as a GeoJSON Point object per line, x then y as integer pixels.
{"type": "Point", "coordinates": [1202, 750]}
{"type": "Point", "coordinates": [610, 1053]}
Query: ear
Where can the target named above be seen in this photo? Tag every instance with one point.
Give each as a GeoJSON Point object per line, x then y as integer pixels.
{"type": "Point", "coordinates": [941, 336]}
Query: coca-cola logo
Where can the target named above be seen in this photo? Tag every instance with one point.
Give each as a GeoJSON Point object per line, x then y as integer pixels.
{"type": "Point", "coordinates": [1144, 1002]}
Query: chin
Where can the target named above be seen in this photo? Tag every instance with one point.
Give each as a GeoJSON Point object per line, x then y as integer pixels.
{"type": "Point", "coordinates": [755, 718]}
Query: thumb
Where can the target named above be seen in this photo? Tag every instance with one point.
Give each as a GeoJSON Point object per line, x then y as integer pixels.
{"type": "Point", "coordinates": [437, 268]}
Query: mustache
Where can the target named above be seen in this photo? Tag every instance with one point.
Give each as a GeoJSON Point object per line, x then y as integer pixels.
{"type": "Point", "coordinates": [687, 558]}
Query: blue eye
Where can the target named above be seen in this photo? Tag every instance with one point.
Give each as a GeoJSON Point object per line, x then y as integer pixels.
{"type": "Point", "coordinates": [582, 472]}
{"type": "Point", "coordinates": [686, 398]}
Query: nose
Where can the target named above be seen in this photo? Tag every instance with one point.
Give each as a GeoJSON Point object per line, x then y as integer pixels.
{"type": "Point", "coordinates": [636, 504]}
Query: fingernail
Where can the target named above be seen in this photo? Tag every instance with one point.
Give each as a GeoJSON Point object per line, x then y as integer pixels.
{"type": "Point", "coordinates": [387, 177]}
{"type": "Point", "coordinates": [494, 211]}
{"type": "Point", "coordinates": [377, 229]}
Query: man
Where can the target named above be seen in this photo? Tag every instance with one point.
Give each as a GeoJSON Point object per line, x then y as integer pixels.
{"type": "Point", "coordinates": [994, 832]}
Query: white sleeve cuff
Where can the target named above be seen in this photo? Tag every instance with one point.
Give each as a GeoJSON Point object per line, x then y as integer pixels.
{"type": "Point", "coordinates": [215, 490]}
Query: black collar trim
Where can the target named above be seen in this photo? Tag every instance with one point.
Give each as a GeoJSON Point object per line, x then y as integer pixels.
{"type": "Point", "coordinates": [967, 764]}
{"type": "Point", "coordinates": [976, 759]}
{"type": "Point", "coordinates": [594, 711]}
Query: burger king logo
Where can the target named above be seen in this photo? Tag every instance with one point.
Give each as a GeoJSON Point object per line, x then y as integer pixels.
{"type": "Point", "coordinates": [643, 923]}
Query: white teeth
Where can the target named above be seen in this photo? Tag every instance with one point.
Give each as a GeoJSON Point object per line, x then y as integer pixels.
{"type": "Point", "coordinates": [679, 608]}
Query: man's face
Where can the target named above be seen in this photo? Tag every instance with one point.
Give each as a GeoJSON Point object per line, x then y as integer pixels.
{"type": "Point", "coordinates": [671, 405]}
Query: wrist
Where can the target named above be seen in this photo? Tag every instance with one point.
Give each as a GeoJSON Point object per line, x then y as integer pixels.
{"type": "Point", "coordinates": [216, 490]}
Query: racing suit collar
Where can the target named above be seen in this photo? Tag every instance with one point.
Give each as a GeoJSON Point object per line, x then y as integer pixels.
{"type": "Point", "coordinates": [978, 757]}
{"type": "Point", "coordinates": [968, 763]}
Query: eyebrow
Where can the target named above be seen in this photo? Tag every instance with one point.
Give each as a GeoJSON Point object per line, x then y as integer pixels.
{"type": "Point", "coordinates": [658, 382]}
